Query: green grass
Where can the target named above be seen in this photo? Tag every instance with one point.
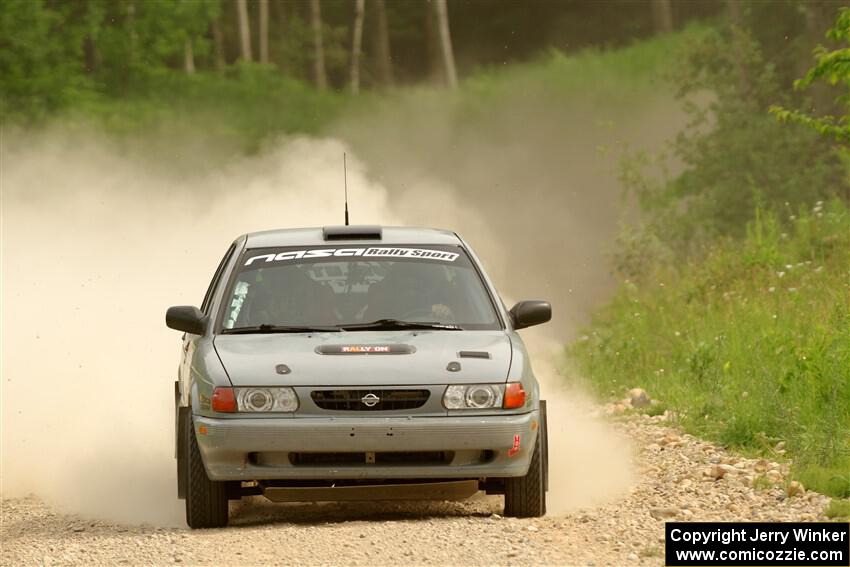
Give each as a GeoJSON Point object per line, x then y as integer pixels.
{"type": "Point", "coordinates": [762, 483]}
{"type": "Point", "coordinates": [749, 346]}
{"type": "Point", "coordinates": [838, 509]}
{"type": "Point", "coordinates": [655, 409]}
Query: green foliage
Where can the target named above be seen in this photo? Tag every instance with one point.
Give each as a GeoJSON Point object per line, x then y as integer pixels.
{"type": "Point", "coordinates": [56, 53]}
{"type": "Point", "coordinates": [249, 104]}
{"type": "Point", "coordinates": [750, 344]}
{"type": "Point", "coordinates": [59, 55]}
{"type": "Point", "coordinates": [616, 74]}
{"type": "Point", "coordinates": [243, 108]}
{"type": "Point", "coordinates": [41, 71]}
{"type": "Point", "coordinates": [833, 67]}
{"type": "Point", "coordinates": [735, 156]}
{"type": "Point", "coordinates": [146, 39]}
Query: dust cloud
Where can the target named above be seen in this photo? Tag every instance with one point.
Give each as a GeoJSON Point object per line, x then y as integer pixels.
{"type": "Point", "coordinates": [95, 247]}
{"type": "Point", "coordinates": [97, 241]}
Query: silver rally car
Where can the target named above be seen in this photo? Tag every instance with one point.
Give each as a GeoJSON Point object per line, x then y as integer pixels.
{"type": "Point", "coordinates": [356, 363]}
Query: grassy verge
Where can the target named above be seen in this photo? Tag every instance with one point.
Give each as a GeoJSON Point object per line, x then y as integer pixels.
{"type": "Point", "coordinates": [750, 347]}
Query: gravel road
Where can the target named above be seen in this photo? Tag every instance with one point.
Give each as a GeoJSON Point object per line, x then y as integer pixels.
{"type": "Point", "coordinates": [680, 478]}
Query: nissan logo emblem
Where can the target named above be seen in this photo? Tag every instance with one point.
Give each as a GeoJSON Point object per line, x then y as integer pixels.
{"type": "Point", "coordinates": [370, 400]}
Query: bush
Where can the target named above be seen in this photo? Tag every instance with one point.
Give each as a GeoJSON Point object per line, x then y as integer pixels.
{"type": "Point", "coordinates": [41, 72]}
{"type": "Point", "coordinates": [734, 156]}
{"type": "Point", "coordinates": [750, 344]}
{"type": "Point", "coordinates": [838, 509]}
{"type": "Point", "coordinates": [245, 107]}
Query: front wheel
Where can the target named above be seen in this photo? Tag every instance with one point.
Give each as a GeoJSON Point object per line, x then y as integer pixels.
{"type": "Point", "coordinates": [525, 496]}
{"type": "Point", "coordinates": [206, 500]}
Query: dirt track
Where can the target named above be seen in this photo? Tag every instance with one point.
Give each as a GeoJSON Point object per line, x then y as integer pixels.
{"type": "Point", "coordinates": [681, 478]}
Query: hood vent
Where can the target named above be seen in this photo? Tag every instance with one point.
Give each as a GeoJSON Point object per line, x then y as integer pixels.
{"type": "Point", "coordinates": [473, 354]}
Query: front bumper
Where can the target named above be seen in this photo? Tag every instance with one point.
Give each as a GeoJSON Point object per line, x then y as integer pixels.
{"type": "Point", "coordinates": [230, 447]}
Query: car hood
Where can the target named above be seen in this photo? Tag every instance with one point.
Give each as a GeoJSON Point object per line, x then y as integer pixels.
{"type": "Point", "coordinates": [256, 359]}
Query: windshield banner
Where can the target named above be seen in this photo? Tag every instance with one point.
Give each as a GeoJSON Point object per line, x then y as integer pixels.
{"type": "Point", "coordinates": [385, 252]}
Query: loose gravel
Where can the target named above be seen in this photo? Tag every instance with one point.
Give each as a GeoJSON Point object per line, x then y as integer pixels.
{"type": "Point", "coordinates": [681, 478]}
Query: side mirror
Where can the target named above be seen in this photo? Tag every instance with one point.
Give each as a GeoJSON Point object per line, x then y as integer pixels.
{"type": "Point", "coordinates": [186, 318]}
{"type": "Point", "coordinates": [529, 313]}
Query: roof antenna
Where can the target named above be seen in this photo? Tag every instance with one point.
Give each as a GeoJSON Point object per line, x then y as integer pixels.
{"type": "Point", "coordinates": [345, 181]}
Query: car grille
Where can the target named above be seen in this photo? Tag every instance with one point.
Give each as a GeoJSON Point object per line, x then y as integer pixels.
{"type": "Point", "coordinates": [364, 400]}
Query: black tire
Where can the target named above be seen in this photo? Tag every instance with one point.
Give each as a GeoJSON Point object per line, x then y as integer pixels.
{"type": "Point", "coordinates": [525, 496]}
{"type": "Point", "coordinates": [544, 433]}
{"type": "Point", "coordinates": [206, 500]}
{"type": "Point", "coordinates": [184, 419]}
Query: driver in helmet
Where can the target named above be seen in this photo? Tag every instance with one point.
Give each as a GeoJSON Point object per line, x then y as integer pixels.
{"type": "Point", "coordinates": [411, 291]}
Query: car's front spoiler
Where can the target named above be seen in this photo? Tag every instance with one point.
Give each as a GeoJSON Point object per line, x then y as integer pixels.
{"type": "Point", "coordinates": [227, 445]}
{"type": "Point", "coordinates": [443, 490]}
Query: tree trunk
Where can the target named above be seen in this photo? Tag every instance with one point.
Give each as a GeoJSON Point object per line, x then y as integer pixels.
{"type": "Point", "coordinates": [189, 57]}
{"type": "Point", "coordinates": [244, 29]}
{"type": "Point", "coordinates": [736, 15]}
{"type": "Point", "coordinates": [318, 48]}
{"type": "Point", "coordinates": [131, 27]}
{"type": "Point", "coordinates": [381, 44]}
{"type": "Point", "coordinates": [357, 40]}
{"type": "Point", "coordinates": [662, 16]}
{"type": "Point", "coordinates": [432, 44]}
{"type": "Point", "coordinates": [446, 43]}
{"type": "Point", "coordinates": [218, 46]}
{"type": "Point", "coordinates": [90, 54]}
{"type": "Point", "coordinates": [736, 21]}
{"type": "Point", "coordinates": [264, 31]}
{"type": "Point", "coordinates": [278, 22]}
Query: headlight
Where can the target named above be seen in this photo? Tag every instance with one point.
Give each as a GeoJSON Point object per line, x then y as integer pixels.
{"type": "Point", "coordinates": [266, 399]}
{"type": "Point", "coordinates": [473, 396]}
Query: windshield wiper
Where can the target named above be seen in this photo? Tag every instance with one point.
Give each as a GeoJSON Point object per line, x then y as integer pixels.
{"type": "Point", "coordinates": [391, 324]}
{"type": "Point", "coordinates": [266, 328]}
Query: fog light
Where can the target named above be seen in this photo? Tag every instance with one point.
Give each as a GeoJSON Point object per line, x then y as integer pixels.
{"type": "Point", "coordinates": [285, 399]}
{"type": "Point", "coordinates": [453, 399]}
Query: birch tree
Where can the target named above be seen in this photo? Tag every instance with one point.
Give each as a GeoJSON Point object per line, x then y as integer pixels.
{"type": "Point", "coordinates": [446, 42]}
{"type": "Point", "coordinates": [381, 44]}
{"type": "Point", "coordinates": [739, 38]}
{"type": "Point", "coordinates": [264, 31]}
{"type": "Point", "coordinates": [356, 43]}
{"type": "Point", "coordinates": [218, 45]}
{"type": "Point", "coordinates": [188, 57]}
{"type": "Point", "coordinates": [244, 29]}
{"type": "Point", "coordinates": [662, 16]}
{"type": "Point", "coordinates": [318, 48]}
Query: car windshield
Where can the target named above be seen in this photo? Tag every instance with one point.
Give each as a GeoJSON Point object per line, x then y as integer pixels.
{"type": "Point", "coordinates": [357, 287]}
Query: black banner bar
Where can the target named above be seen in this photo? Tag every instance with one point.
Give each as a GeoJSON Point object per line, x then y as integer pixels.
{"type": "Point", "coordinates": [693, 544]}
